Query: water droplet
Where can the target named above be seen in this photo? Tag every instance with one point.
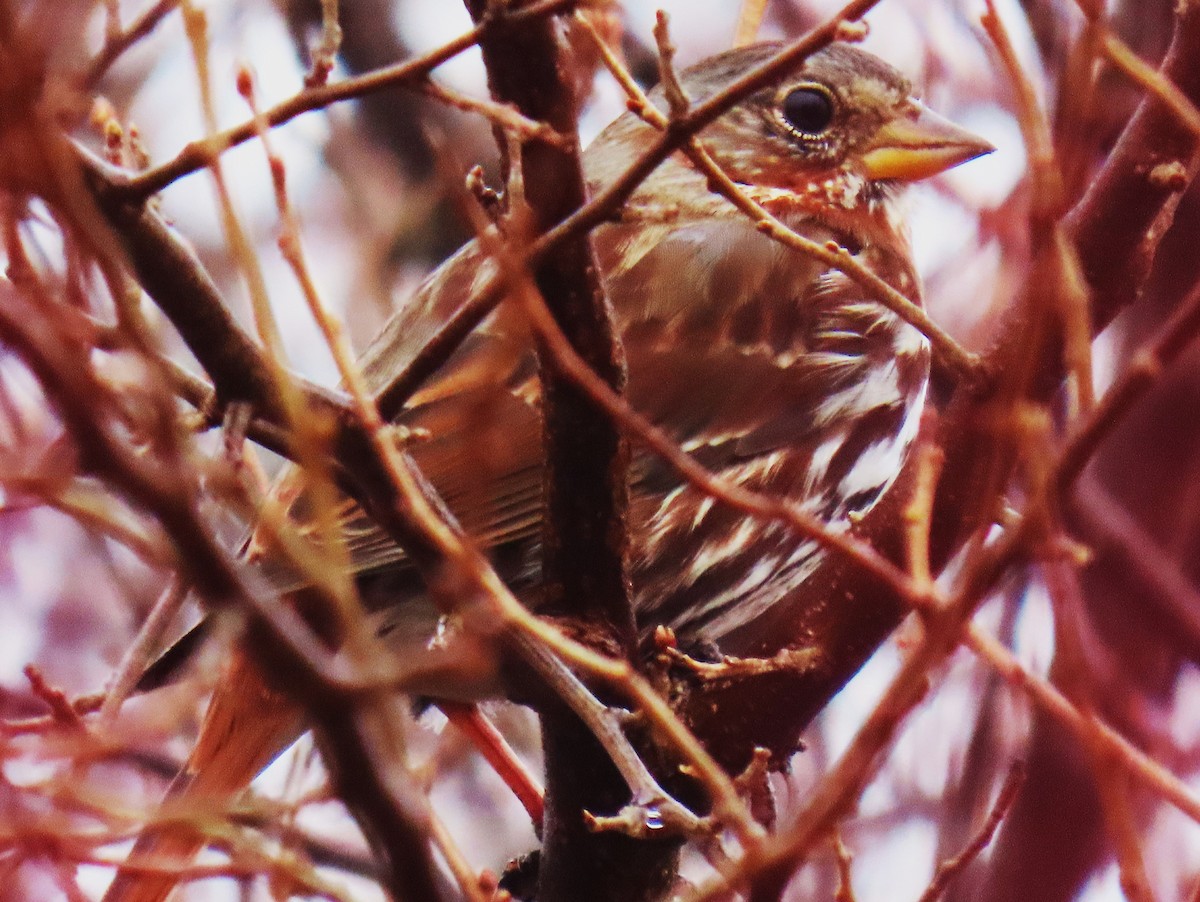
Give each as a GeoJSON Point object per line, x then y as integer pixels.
{"type": "Point", "coordinates": [654, 818]}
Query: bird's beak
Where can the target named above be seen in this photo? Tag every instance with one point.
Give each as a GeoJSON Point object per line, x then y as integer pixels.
{"type": "Point", "coordinates": [919, 145]}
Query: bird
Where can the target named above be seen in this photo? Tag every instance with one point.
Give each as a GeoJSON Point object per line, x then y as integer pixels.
{"type": "Point", "coordinates": [770, 368]}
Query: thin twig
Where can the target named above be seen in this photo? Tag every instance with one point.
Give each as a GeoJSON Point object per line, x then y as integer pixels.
{"type": "Point", "coordinates": [506, 117]}
{"type": "Point", "coordinates": [749, 22]}
{"type": "Point", "coordinates": [1058, 257]}
{"type": "Point", "coordinates": [160, 484]}
{"type": "Point", "coordinates": [337, 579]}
{"type": "Point", "coordinates": [199, 154]}
{"type": "Point", "coordinates": [117, 44]}
{"type": "Point", "coordinates": [324, 54]}
{"type": "Point", "coordinates": [139, 653]}
{"type": "Point", "coordinates": [951, 868]}
{"type": "Point", "coordinates": [844, 859]}
{"type": "Point", "coordinates": [491, 743]}
{"type": "Point", "coordinates": [1144, 370]}
{"type": "Point", "coordinates": [1147, 771]}
{"type": "Point", "coordinates": [1111, 530]}
{"type": "Point", "coordinates": [1075, 672]}
{"type": "Point", "coordinates": [1121, 56]}
{"type": "Point", "coordinates": [919, 510]}
{"type": "Point", "coordinates": [464, 875]}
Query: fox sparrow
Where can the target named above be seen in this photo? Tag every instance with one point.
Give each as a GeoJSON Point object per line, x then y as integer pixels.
{"type": "Point", "coordinates": [770, 368]}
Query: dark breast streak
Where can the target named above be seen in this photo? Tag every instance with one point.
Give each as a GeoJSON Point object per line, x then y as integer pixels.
{"type": "Point", "coordinates": [774, 373]}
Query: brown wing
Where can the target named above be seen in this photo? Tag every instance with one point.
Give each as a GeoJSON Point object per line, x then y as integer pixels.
{"type": "Point", "coordinates": [475, 426]}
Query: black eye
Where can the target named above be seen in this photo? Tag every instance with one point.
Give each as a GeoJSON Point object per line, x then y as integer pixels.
{"type": "Point", "coordinates": [808, 110]}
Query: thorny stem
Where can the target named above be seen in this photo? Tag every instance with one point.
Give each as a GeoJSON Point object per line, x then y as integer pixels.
{"type": "Point", "coordinates": [464, 875]}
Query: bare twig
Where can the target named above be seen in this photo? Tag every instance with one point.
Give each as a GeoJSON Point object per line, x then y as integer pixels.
{"type": "Point", "coordinates": [1143, 372]}
{"type": "Point", "coordinates": [199, 154]}
{"type": "Point", "coordinates": [139, 653]}
{"type": "Point", "coordinates": [1129, 205]}
{"type": "Point", "coordinates": [507, 118]}
{"type": "Point", "coordinates": [1119, 54]}
{"type": "Point", "coordinates": [118, 43]}
{"type": "Point", "coordinates": [490, 742]}
{"type": "Point", "coordinates": [1109, 529]}
{"type": "Point", "coordinates": [325, 52]}
{"type": "Point", "coordinates": [1075, 671]}
{"type": "Point", "coordinates": [951, 868]}
{"type": "Point", "coordinates": [845, 859]}
{"type": "Point", "coordinates": [1133, 760]}
{"type": "Point", "coordinates": [749, 21]}
{"type": "Point", "coordinates": [62, 711]}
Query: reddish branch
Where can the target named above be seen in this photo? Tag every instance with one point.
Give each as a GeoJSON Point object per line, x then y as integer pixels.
{"type": "Point", "coordinates": [951, 868]}
{"type": "Point", "coordinates": [585, 533]}
{"type": "Point", "coordinates": [1117, 227]}
{"type": "Point", "coordinates": [1131, 203]}
{"type": "Point", "coordinates": [392, 810]}
{"type": "Point", "coordinates": [199, 154]}
{"type": "Point", "coordinates": [119, 43]}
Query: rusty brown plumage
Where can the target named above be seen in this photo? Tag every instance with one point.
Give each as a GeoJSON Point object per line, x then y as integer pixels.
{"type": "Point", "coordinates": [773, 370]}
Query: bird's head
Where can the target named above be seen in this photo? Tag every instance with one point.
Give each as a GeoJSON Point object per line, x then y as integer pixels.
{"type": "Point", "coordinates": [836, 132]}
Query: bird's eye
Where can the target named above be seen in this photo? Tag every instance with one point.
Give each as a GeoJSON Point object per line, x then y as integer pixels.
{"type": "Point", "coordinates": [809, 110]}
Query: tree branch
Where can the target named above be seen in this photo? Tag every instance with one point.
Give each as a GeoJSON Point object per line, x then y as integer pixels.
{"type": "Point", "coordinates": [585, 534]}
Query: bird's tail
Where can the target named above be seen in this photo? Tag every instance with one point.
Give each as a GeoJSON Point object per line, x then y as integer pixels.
{"type": "Point", "coordinates": [246, 727]}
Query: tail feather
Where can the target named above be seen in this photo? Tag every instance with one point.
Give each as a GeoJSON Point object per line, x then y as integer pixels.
{"type": "Point", "coordinates": [246, 727]}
